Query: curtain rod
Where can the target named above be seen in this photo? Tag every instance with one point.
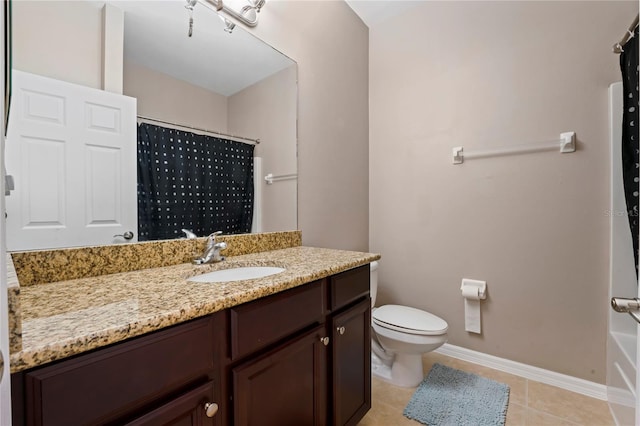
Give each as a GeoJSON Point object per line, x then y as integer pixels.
{"type": "Point", "coordinates": [182, 126]}
{"type": "Point", "coordinates": [618, 47]}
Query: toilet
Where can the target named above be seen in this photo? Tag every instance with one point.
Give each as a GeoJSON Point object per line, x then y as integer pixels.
{"type": "Point", "coordinates": [400, 335]}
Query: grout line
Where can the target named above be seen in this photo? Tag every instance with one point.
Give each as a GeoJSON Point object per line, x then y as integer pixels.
{"type": "Point", "coordinates": [563, 419]}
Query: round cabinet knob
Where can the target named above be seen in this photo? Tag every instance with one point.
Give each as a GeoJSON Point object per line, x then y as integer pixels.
{"type": "Point", "coordinates": [341, 330]}
{"type": "Point", "coordinates": [324, 340]}
{"type": "Point", "coordinates": [210, 408]}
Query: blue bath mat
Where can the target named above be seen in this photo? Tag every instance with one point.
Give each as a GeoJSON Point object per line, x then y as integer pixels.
{"type": "Point", "coordinates": [453, 397]}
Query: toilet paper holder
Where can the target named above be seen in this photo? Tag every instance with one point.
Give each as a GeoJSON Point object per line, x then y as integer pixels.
{"type": "Point", "coordinates": [473, 289]}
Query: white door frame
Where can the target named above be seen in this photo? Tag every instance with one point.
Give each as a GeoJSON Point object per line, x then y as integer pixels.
{"type": "Point", "coordinates": [5, 383]}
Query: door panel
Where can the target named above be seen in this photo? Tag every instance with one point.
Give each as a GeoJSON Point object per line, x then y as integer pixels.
{"type": "Point", "coordinates": [44, 201]}
{"type": "Point", "coordinates": [43, 107]}
{"type": "Point", "coordinates": [72, 152]}
{"type": "Point", "coordinates": [103, 186]}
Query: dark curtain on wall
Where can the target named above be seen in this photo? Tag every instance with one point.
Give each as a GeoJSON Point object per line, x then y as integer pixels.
{"type": "Point", "coordinates": [191, 181]}
{"type": "Point", "coordinates": [629, 67]}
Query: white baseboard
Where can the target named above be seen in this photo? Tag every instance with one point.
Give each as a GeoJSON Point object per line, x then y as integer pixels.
{"type": "Point", "coordinates": [573, 384]}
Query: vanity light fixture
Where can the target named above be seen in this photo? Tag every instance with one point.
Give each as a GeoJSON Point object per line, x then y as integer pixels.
{"type": "Point", "coordinates": [247, 13]}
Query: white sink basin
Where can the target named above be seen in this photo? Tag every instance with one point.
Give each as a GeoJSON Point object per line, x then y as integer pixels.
{"type": "Point", "coordinates": [237, 274]}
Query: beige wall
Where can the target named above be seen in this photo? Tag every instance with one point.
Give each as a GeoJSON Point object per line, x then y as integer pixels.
{"type": "Point", "coordinates": [492, 74]}
{"type": "Point", "coordinates": [330, 45]}
{"type": "Point", "coordinates": [163, 97]}
{"type": "Point", "coordinates": [267, 110]}
{"type": "Point", "coordinates": [76, 25]}
{"type": "Point", "coordinates": [67, 45]}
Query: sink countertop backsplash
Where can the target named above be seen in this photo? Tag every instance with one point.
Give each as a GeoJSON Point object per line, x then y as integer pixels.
{"type": "Point", "coordinates": [46, 266]}
{"type": "Point", "coordinates": [55, 320]}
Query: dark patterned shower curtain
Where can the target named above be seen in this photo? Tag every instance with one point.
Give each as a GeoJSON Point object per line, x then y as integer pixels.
{"type": "Point", "coordinates": [629, 67]}
{"type": "Point", "coordinates": [191, 181]}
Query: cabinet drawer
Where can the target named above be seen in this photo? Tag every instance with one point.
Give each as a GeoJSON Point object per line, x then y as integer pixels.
{"type": "Point", "coordinates": [187, 409]}
{"type": "Point", "coordinates": [349, 286]}
{"type": "Point", "coordinates": [111, 382]}
{"type": "Point", "coordinates": [257, 324]}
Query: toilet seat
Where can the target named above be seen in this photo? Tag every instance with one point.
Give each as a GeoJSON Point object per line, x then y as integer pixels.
{"type": "Point", "coordinates": [409, 320]}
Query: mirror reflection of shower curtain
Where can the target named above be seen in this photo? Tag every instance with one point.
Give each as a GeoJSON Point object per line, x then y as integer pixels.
{"type": "Point", "coordinates": [630, 147]}
{"type": "Point", "coordinates": [192, 181]}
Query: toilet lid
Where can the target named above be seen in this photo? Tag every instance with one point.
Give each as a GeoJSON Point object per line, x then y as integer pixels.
{"type": "Point", "coordinates": [409, 320]}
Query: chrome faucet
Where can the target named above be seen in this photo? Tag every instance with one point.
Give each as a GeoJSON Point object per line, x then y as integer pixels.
{"type": "Point", "coordinates": [212, 252]}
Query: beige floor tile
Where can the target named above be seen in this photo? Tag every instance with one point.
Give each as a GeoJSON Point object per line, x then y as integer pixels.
{"type": "Point", "coordinates": [568, 405]}
{"type": "Point", "coordinates": [389, 394]}
{"type": "Point", "coordinates": [537, 418]}
{"type": "Point", "coordinates": [530, 403]}
{"type": "Point", "coordinates": [517, 385]}
{"type": "Point", "coordinates": [516, 415]}
{"type": "Point", "coordinates": [382, 414]}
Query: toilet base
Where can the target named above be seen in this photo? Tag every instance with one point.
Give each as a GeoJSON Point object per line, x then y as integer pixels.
{"type": "Point", "coordinates": [405, 370]}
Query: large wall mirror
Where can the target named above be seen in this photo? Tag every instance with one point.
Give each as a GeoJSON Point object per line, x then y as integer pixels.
{"type": "Point", "coordinates": [210, 81]}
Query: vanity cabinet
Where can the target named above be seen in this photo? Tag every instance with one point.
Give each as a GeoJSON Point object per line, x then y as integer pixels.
{"type": "Point", "coordinates": [321, 373]}
{"type": "Point", "coordinates": [168, 374]}
{"type": "Point", "coordinates": [299, 357]}
{"type": "Point", "coordinates": [278, 373]}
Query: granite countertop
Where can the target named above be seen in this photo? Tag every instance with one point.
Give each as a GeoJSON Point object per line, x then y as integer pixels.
{"type": "Point", "coordinates": [70, 317]}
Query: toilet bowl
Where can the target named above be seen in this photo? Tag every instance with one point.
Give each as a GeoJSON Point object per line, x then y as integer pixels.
{"type": "Point", "coordinates": [400, 335]}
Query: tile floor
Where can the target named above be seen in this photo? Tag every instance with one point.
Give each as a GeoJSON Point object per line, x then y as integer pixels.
{"type": "Point", "coordinates": [530, 402]}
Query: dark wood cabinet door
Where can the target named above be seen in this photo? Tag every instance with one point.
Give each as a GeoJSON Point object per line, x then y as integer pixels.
{"type": "Point", "coordinates": [188, 409]}
{"type": "Point", "coordinates": [115, 382]}
{"type": "Point", "coordinates": [284, 387]}
{"type": "Point", "coordinates": [351, 369]}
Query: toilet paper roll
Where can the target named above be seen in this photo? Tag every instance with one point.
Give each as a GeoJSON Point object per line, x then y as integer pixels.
{"type": "Point", "coordinates": [471, 292]}
{"type": "Point", "coordinates": [472, 321]}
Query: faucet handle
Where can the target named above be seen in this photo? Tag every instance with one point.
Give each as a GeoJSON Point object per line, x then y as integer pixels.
{"type": "Point", "coordinates": [189, 234]}
{"type": "Point", "coordinates": [213, 235]}
{"type": "Point", "coordinates": [212, 238]}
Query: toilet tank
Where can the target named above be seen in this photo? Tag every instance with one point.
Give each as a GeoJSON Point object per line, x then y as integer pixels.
{"type": "Point", "coordinates": [373, 268]}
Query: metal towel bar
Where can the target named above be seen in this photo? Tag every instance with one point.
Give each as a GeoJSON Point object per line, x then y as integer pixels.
{"type": "Point", "coordinates": [625, 305]}
{"type": "Point", "coordinates": [566, 143]}
{"type": "Point", "coordinates": [270, 178]}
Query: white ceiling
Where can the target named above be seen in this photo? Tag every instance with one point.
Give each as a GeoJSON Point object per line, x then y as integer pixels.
{"type": "Point", "coordinates": [155, 35]}
{"type": "Point", "coordinates": [373, 12]}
